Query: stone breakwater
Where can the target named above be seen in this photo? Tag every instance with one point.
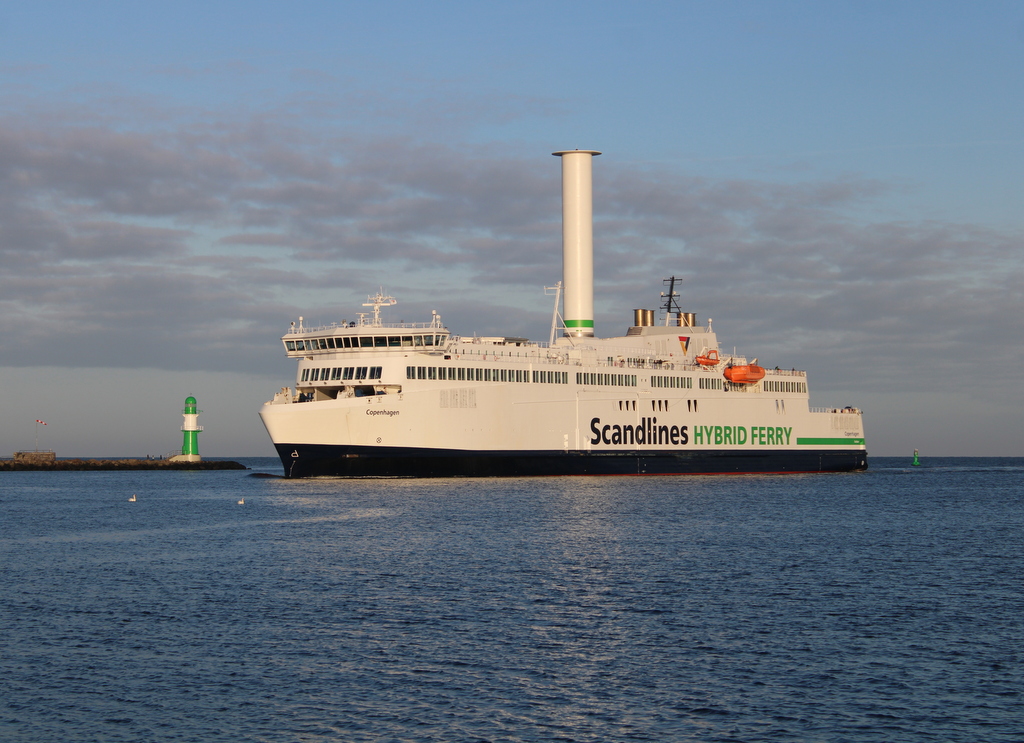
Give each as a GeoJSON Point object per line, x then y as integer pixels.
{"type": "Point", "coordinates": [11, 465]}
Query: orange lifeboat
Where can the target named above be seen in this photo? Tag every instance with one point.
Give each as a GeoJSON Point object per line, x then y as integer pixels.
{"type": "Point", "coordinates": [708, 358]}
{"type": "Point", "coordinates": [744, 374]}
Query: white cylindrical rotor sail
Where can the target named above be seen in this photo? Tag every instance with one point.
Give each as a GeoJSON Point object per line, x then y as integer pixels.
{"type": "Point", "coordinates": [578, 241]}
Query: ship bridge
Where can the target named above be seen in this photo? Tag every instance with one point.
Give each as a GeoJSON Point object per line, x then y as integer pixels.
{"type": "Point", "coordinates": [366, 333]}
{"type": "Point", "coordinates": [335, 340]}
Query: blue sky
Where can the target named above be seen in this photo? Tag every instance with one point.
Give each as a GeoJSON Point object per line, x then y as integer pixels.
{"type": "Point", "coordinates": [839, 184]}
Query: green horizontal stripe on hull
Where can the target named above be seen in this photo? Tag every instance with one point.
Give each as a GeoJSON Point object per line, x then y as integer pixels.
{"type": "Point", "coordinates": [579, 323]}
{"type": "Point", "coordinates": [829, 442]}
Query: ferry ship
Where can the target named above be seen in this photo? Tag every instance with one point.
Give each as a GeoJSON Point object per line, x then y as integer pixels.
{"type": "Point", "coordinates": [374, 398]}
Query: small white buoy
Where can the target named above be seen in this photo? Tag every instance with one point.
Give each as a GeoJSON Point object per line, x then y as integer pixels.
{"type": "Point", "coordinates": [241, 502]}
{"type": "Point", "coordinates": [132, 499]}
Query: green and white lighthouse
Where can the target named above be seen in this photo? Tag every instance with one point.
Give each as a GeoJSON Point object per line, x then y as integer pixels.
{"type": "Point", "coordinates": [190, 429]}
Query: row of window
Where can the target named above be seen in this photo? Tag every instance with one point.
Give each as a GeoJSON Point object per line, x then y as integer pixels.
{"type": "Point", "coordinates": [784, 386]}
{"type": "Point", "coordinates": [464, 374]}
{"type": "Point", "coordinates": [606, 380]}
{"type": "Point", "coordinates": [347, 373]}
{"type": "Point", "coordinates": [340, 373]}
{"type": "Point", "coordinates": [676, 382]}
{"type": "Point", "coordinates": [366, 341]}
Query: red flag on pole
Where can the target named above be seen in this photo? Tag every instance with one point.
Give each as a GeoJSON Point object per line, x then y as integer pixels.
{"type": "Point", "coordinates": [39, 421]}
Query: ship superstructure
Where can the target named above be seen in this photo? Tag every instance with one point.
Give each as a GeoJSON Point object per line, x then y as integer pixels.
{"type": "Point", "coordinates": [374, 398]}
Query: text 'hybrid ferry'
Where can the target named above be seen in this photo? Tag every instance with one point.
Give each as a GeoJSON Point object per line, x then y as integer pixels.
{"type": "Point", "coordinates": [380, 399]}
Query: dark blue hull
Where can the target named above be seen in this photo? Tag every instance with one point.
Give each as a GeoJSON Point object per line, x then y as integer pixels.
{"type": "Point", "coordinates": [310, 460]}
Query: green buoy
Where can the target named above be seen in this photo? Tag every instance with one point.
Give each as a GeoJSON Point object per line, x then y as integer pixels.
{"type": "Point", "coordinates": [916, 462]}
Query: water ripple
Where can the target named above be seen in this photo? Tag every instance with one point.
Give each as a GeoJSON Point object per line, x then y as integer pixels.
{"type": "Point", "coordinates": [880, 606]}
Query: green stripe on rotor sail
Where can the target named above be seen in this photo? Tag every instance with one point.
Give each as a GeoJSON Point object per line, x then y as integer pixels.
{"type": "Point", "coordinates": [579, 323]}
{"type": "Point", "coordinates": [829, 442]}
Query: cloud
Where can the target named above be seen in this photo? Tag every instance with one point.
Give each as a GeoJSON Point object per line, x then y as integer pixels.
{"type": "Point", "coordinates": [191, 245]}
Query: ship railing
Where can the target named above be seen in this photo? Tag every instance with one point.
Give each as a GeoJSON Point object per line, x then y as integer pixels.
{"type": "Point", "coordinates": [837, 411]}
{"type": "Point", "coordinates": [473, 340]}
{"type": "Point", "coordinates": [354, 325]}
{"type": "Point", "coordinates": [544, 353]}
{"type": "Point", "coordinates": [621, 357]}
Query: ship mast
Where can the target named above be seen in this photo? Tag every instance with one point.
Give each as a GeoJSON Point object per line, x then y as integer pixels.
{"type": "Point", "coordinates": [557, 291]}
{"type": "Point", "coordinates": [671, 300]}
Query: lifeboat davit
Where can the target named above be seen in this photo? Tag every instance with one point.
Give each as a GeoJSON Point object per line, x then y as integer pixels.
{"type": "Point", "coordinates": [744, 374]}
{"type": "Point", "coordinates": [708, 358]}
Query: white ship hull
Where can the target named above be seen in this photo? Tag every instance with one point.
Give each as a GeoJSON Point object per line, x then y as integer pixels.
{"type": "Point", "coordinates": [569, 425]}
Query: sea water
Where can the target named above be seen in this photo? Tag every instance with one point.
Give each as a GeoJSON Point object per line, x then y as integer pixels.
{"type": "Point", "coordinates": [877, 606]}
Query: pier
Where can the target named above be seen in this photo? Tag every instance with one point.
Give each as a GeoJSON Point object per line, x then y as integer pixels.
{"type": "Point", "coordinates": [24, 462]}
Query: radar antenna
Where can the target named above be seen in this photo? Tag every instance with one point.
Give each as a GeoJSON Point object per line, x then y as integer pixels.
{"type": "Point", "coordinates": [377, 302]}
